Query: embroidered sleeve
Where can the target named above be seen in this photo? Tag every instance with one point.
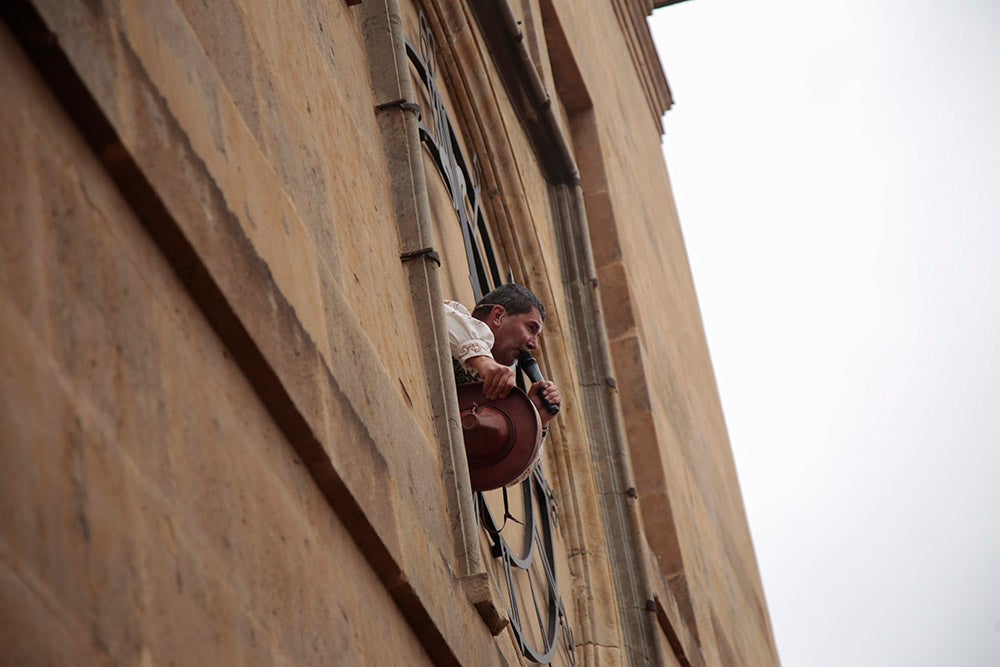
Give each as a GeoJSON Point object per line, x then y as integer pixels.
{"type": "Point", "coordinates": [467, 336]}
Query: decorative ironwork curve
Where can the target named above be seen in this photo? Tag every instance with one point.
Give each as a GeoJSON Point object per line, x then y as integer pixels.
{"type": "Point", "coordinates": [540, 520]}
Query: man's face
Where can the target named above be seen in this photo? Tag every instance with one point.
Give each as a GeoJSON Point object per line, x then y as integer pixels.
{"type": "Point", "coordinates": [514, 334]}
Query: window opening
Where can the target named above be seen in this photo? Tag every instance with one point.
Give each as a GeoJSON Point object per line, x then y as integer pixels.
{"type": "Point", "coordinates": [522, 541]}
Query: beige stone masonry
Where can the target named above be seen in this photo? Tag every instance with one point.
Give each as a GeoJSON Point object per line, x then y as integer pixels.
{"type": "Point", "coordinates": [358, 472]}
{"type": "Point", "coordinates": [228, 426]}
{"type": "Point", "coordinates": [145, 492]}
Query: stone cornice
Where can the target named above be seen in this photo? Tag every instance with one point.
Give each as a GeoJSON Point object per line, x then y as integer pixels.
{"type": "Point", "coordinates": [632, 18]}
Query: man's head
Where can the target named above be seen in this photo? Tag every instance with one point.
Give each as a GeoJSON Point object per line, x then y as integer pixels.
{"type": "Point", "coordinates": [515, 316]}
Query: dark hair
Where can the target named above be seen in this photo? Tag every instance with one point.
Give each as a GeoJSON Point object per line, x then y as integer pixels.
{"type": "Point", "coordinates": [514, 298]}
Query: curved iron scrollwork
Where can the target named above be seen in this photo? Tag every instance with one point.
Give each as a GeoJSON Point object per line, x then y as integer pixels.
{"type": "Point", "coordinates": [527, 560]}
{"type": "Point", "coordinates": [538, 548]}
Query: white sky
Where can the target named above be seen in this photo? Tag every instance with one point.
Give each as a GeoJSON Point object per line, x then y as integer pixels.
{"type": "Point", "coordinates": [836, 165]}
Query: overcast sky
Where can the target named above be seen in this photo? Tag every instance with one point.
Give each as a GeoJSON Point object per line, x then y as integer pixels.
{"type": "Point", "coordinates": [837, 171]}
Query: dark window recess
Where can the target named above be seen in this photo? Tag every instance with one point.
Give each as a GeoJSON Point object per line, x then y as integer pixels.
{"type": "Point", "coordinates": [523, 537]}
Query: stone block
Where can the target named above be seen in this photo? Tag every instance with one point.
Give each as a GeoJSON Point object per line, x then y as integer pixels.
{"type": "Point", "coordinates": [630, 377]}
{"type": "Point", "coordinates": [604, 240]}
{"type": "Point", "coordinates": [616, 300]}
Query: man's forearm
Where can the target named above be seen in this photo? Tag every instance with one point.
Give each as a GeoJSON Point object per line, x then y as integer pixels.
{"type": "Point", "coordinates": [497, 379]}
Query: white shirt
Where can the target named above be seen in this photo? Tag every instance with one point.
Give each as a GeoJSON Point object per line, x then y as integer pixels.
{"type": "Point", "coordinates": [467, 336]}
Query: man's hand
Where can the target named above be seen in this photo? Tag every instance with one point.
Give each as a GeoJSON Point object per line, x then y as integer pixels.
{"type": "Point", "coordinates": [551, 393]}
{"type": "Point", "coordinates": [497, 379]}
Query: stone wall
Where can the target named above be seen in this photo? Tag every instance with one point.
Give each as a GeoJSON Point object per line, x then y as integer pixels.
{"type": "Point", "coordinates": [225, 433]}
{"type": "Point", "coordinates": [153, 512]}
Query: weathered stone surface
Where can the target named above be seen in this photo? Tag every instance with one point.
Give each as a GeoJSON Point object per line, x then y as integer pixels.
{"type": "Point", "coordinates": [677, 436]}
{"type": "Point", "coordinates": [151, 510]}
{"type": "Point", "coordinates": [219, 444]}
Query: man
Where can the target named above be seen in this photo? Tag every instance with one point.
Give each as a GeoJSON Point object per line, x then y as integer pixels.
{"type": "Point", "coordinates": [487, 342]}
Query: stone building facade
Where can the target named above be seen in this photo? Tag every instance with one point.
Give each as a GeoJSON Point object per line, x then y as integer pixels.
{"type": "Point", "coordinates": [228, 424]}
